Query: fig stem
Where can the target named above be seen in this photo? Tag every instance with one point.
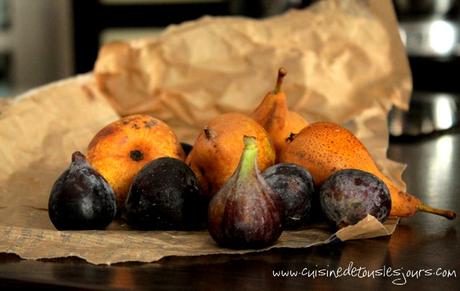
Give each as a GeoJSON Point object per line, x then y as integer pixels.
{"type": "Point", "coordinates": [78, 157]}
{"type": "Point", "coordinates": [279, 81]}
{"type": "Point", "coordinates": [248, 157]}
{"type": "Point", "coordinates": [446, 213]}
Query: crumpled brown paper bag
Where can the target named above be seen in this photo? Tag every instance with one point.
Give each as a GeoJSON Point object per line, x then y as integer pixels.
{"type": "Point", "coordinates": [345, 64]}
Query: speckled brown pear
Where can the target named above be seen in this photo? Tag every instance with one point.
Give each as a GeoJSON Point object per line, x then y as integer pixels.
{"type": "Point", "coordinates": [120, 149]}
{"type": "Point", "coordinates": [324, 148]}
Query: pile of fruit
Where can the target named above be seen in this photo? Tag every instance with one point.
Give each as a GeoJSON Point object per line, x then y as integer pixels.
{"type": "Point", "coordinates": [245, 179]}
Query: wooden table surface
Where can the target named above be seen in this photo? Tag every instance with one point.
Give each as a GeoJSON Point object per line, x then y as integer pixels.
{"type": "Point", "coordinates": [420, 245]}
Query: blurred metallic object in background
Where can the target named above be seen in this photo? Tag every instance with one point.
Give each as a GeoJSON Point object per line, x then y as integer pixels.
{"type": "Point", "coordinates": [430, 31]}
{"type": "Point", "coordinates": [430, 38]}
{"type": "Point", "coordinates": [424, 7]}
{"type": "Point", "coordinates": [428, 112]}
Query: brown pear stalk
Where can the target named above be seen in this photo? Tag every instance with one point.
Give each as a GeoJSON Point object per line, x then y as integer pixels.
{"type": "Point", "coordinates": [324, 148]}
{"type": "Point", "coordinates": [273, 114]}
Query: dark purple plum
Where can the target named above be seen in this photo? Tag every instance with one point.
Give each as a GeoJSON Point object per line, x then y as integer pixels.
{"type": "Point", "coordinates": [165, 195]}
{"type": "Point", "coordinates": [294, 184]}
{"type": "Point", "coordinates": [81, 198]}
{"type": "Point", "coordinates": [349, 195]}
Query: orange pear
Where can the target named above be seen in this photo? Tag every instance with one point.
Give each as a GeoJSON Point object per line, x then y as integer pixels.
{"type": "Point", "coordinates": [324, 148]}
{"type": "Point", "coordinates": [273, 114]}
{"type": "Point", "coordinates": [217, 149]}
{"type": "Point", "coordinates": [120, 149]}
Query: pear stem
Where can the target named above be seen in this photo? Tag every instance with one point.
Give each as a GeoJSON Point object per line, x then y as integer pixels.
{"type": "Point", "coordinates": [446, 213]}
{"type": "Point", "coordinates": [291, 137]}
{"type": "Point", "coordinates": [248, 157]}
{"type": "Point", "coordinates": [209, 133]}
{"type": "Point", "coordinates": [279, 81]}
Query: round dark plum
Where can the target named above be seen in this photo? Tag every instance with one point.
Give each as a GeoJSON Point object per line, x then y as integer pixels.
{"type": "Point", "coordinates": [349, 195]}
{"type": "Point", "coordinates": [294, 184]}
{"type": "Point", "coordinates": [81, 198]}
{"type": "Point", "coordinates": [165, 195]}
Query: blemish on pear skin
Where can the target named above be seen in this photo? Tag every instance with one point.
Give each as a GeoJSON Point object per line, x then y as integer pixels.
{"type": "Point", "coordinates": [136, 155]}
{"type": "Point", "coordinates": [150, 123]}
